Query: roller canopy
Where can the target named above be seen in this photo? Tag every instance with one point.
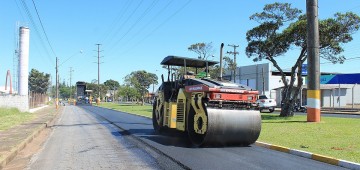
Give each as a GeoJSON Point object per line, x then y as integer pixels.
{"type": "Point", "coordinates": [190, 62]}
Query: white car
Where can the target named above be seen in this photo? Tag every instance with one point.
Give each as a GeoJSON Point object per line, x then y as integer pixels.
{"type": "Point", "coordinates": [265, 103]}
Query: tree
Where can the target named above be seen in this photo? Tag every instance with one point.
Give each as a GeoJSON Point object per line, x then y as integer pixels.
{"type": "Point", "coordinates": [141, 80]}
{"type": "Point", "coordinates": [230, 66]}
{"type": "Point", "coordinates": [64, 92]}
{"type": "Point", "coordinates": [204, 50]}
{"type": "Point", "coordinates": [95, 90]}
{"type": "Point", "coordinates": [128, 92]}
{"type": "Point", "coordinates": [38, 81]}
{"type": "Point", "coordinates": [94, 81]}
{"type": "Point", "coordinates": [270, 39]}
{"type": "Point", "coordinates": [112, 84]}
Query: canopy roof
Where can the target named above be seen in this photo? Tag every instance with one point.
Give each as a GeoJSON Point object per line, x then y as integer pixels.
{"type": "Point", "coordinates": [189, 62]}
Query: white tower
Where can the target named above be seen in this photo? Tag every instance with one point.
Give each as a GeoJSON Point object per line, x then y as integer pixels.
{"type": "Point", "coordinates": [24, 61]}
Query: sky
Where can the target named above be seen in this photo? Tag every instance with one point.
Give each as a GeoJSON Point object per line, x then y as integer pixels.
{"type": "Point", "coordinates": [138, 34]}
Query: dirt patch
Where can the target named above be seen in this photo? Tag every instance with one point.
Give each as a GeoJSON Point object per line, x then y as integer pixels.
{"type": "Point", "coordinates": [23, 157]}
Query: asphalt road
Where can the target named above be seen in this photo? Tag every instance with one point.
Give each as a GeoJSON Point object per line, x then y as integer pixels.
{"type": "Point", "coordinates": [80, 141]}
{"type": "Point", "coordinates": [179, 148]}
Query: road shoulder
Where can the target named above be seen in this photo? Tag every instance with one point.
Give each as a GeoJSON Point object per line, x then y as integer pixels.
{"type": "Point", "coordinates": [15, 139]}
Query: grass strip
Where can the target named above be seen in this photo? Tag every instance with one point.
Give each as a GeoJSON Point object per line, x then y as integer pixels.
{"type": "Point", "coordinates": [145, 110]}
{"type": "Point", "coordinates": [334, 137]}
{"type": "Point", "coordinates": [10, 117]}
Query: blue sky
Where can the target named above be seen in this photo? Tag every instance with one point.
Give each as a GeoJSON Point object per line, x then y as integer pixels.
{"type": "Point", "coordinates": [138, 34]}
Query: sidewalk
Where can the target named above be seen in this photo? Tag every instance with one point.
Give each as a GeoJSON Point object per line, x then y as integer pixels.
{"type": "Point", "coordinates": [16, 138]}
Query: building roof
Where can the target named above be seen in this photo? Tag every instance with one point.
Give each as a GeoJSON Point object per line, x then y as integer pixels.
{"type": "Point", "coordinates": [288, 73]}
{"type": "Point", "coordinates": [325, 86]}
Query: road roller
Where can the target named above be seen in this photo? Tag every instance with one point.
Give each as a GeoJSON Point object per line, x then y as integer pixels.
{"type": "Point", "coordinates": [211, 111]}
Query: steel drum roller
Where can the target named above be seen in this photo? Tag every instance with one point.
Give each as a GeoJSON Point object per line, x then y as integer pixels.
{"type": "Point", "coordinates": [229, 127]}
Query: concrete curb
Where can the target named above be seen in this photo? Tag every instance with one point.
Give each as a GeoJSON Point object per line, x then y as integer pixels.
{"type": "Point", "coordinates": [38, 108]}
{"type": "Point", "coordinates": [317, 157]}
{"type": "Point", "coordinates": [12, 154]}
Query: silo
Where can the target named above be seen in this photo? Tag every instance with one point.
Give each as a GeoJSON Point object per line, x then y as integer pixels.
{"type": "Point", "coordinates": [23, 60]}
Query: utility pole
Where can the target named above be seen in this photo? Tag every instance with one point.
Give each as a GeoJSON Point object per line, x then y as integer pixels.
{"type": "Point", "coordinates": [57, 84]}
{"type": "Point", "coordinates": [98, 63]}
{"type": "Point", "coordinates": [263, 80]}
{"type": "Point", "coordinates": [233, 53]}
{"type": "Point", "coordinates": [71, 70]}
{"type": "Point", "coordinates": [313, 92]}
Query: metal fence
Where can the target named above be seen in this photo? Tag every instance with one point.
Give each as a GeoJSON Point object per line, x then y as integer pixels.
{"type": "Point", "coordinates": [37, 99]}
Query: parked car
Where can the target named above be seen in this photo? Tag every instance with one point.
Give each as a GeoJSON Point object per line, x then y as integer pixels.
{"type": "Point", "coordinates": [265, 103]}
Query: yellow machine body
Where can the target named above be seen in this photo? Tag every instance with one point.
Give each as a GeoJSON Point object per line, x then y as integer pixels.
{"type": "Point", "coordinates": [212, 112]}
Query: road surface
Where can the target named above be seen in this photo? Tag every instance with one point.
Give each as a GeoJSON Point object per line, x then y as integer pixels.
{"type": "Point", "coordinates": [179, 149]}
{"type": "Point", "coordinates": [80, 141]}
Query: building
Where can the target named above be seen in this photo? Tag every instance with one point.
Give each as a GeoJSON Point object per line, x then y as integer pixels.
{"type": "Point", "coordinates": [337, 90]}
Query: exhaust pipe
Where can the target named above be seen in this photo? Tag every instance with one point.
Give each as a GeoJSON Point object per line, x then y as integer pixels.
{"type": "Point", "coordinates": [221, 58]}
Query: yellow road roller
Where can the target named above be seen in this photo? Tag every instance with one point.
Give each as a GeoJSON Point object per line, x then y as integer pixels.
{"type": "Point", "coordinates": [211, 111]}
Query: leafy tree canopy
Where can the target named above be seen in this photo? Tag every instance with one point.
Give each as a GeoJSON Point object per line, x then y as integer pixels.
{"type": "Point", "coordinates": [112, 84]}
{"type": "Point", "coordinates": [39, 82]}
{"type": "Point", "coordinates": [273, 38]}
{"type": "Point", "coordinates": [141, 80]}
{"type": "Point", "coordinates": [130, 93]}
{"type": "Point", "coordinates": [204, 50]}
{"type": "Point", "coordinates": [95, 89]}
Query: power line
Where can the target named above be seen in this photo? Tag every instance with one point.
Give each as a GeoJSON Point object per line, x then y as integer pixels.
{"type": "Point", "coordinates": [125, 22]}
{"type": "Point", "coordinates": [150, 21]}
{"type": "Point", "coordinates": [233, 53]}
{"type": "Point", "coordinates": [21, 14]}
{"type": "Point", "coordinates": [117, 20]}
{"type": "Point", "coordinates": [159, 26]}
{"type": "Point", "coordinates": [137, 21]}
{"type": "Point", "coordinates": [42, 26]}
{"type": "Point", "coordinates": [35, 28]}
{"type": "Point", "coordinates": [352, 58]}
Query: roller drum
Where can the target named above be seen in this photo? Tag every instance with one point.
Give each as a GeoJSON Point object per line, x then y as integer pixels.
{"type": "Point", "coordinates": [229, 127]}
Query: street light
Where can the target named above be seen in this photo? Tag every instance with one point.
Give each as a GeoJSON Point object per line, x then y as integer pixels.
{"type": "Point", "coordinates": [81, 51]}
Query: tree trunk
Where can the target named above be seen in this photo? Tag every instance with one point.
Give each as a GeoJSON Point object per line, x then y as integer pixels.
{"type": "Point", "coordinates": [142, 100]}
{"type": "Point", "coordinates": [287, 104]}
{"type": "Point", "coordinates": [286, 110]}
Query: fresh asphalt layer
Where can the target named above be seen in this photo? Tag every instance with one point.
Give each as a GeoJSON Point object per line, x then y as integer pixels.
{"type": "Point", "coordinates": [177, 146]}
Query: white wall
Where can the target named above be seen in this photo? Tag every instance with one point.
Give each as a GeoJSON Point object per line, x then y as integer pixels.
{"type": "Point", "coordinates": [16, 101]}
{"type": "Point", "coordinates": [254, 75]}
{"type": "Point", "coordinates": [332, 98]}
{"type": "Point", "coordinates": [349, 96]}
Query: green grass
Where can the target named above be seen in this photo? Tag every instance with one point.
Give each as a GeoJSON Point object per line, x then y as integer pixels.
{"type": "Point", "coordinates": [335, 137]}
{"type": "Point", "coordinates": [12, 117]}
{"type": "Point", "coordinates": [145, 110]}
